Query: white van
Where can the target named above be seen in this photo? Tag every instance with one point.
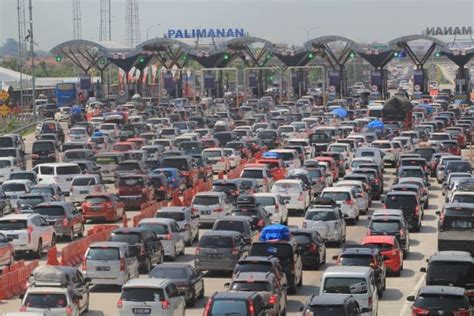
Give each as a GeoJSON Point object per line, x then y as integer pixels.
{"type": "Point", "coordinates": [7, 166]}
{"type": "Point", "coordinates": [356, 281]}
{"type": "Point", "coordinates": [373, 153]}
{"type": "Point", "coordinates": [58, 173]}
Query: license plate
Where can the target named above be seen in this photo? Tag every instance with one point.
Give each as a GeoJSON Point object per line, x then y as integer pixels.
{"type": "Point", "coordinates": [205, 212]}
{"type": "Point", "coordinates": [102, 268]}
{"type": "Point", "coordinates": [215, 256]}
{"type": "Point", "coordinates": [141, 311]}
{"type": "Point", "coordinates": [69, 179]}
{"type": "Point", "coordinates": [83, 192]}
{"type": "Point", "coordinates": [96, 209]}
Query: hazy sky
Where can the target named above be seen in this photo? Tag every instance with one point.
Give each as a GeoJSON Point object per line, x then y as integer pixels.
{"type": "Point", "coordinates": [276, 20]}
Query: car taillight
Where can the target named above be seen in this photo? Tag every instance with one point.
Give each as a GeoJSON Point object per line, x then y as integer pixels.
{"type": "Point", "coordinates": [368, 231]}
{"type": "Point", "coordinates": [198, 250]}
{"type": "Point", "coordinates": [417, 210]}
{"type": "Point", "coordinates": [23, 308]}
{"type": "Point", "coordinates": [65, 221]}
{"type": "Point", "coordinates": [251, 309]}
{"type": "Point", "coordinates": [370, 302]}
{"type": "Point", "coordinates": [272, 300]}
{"type": "Point", "coordinates": [348, 202]}
{"type": "Point", "coordinates": [300, 197]}
{"type": "Point", "coordinates": [168, 237]}
{"type": "Point", "coordinates": [165, 304]}
{"type": "Point", "coordinates": [122, 264]}
{"type": "Point", "coordinates": [29, 231]}
{"type": "Point", "coordinates": [69, 311]}
{"type": "Point", "coordinates": [219, 209]}
{"type": "Point", "coordinates": [208, 307]}
{"type": "Point", "coordinates": [235, 251]}
{"type": "Point", "coordinates": [461, 312]}
{"type": "Point", "coordinates": [119, 304]}
{"type": "Point", "coordinates": [313, 248]}
{"type": "Point", "coordinates": [419, 311]}
{"type": "Point", "coordinates": [376, 181]}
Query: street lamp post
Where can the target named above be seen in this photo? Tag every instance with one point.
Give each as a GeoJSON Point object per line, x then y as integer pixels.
{"type": "Point", "coordinates": [308, 30]}
{"type": "Point", "coordinates": [149, 28]}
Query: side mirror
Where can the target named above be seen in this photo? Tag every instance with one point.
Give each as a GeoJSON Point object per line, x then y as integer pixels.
{"type": "Point", "coordinates": [411, 298]}
{"type": "Point", "coordinates": [438, 213]}
{"type": "Point", "coordinates": [365, 310]}
{"type": "Point", "coordinates": [227, 285]}
{"type": "Point", "coordinates": [423, 269]}
{"type": "Point", "coordinates": [335, 257]}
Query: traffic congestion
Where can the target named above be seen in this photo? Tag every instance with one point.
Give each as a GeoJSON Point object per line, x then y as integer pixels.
{"type": "Point", "coordinates": [169, 207]}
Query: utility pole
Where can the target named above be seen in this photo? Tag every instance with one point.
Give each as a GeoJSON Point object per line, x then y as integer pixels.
{"type": "Point", "coordinates": [76, 19]}
{"type": "Point", "coordinates": [32, 54]}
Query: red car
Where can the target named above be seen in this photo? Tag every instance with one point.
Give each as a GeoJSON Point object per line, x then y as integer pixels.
{"type": "Point", "coordinates": [6, 251]}
{"type": "Point", "coordinates": [123, 146]}
{"type": "Point", "coordinates": [102, 206]}
{"type": "Point", "coordinates": [138, 141]}
{"type": "Point", "coordinates": [134, 190]}
{"type": "Point", "coordinates": [390, 249]}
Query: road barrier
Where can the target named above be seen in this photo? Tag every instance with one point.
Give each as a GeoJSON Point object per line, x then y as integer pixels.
{"type": "Point", "coordinates": [13, 282]}
{"type": "Point", "coordinates": [148, 210]}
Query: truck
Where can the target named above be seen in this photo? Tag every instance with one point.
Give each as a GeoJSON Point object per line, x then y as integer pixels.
{"type": "Point", "coordinates": [398, 109]}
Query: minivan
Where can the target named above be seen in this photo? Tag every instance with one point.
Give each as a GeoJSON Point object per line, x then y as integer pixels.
{"type": "Point", "coordinates": [43, 151]}
{"type": "Point", "coordinates": [409, 203]}
{"type": "Point", "coordinates": [58, 173]}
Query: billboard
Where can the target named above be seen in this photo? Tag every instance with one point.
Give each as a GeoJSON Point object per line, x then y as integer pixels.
{"type": "Point", "coordinates": [206, 33]}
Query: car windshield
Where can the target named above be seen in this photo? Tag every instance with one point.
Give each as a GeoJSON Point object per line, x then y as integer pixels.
{"type": "Point", "coordinates": [12, 224]}
{"type": "Point", "coordinates": [131, 239]}
{"type": "Point", "coordinates": [81, 182]}
{"type": "Point", "coordinates": [355, 260]}
{"type": "Point", "coordinates": [52, 210]}
{"type": "Point", "coordinates": [67, 170]}
{"type": "Point", "coordinates": [441, 302]}
{"type": "Point", "coordinates": [385, 226]}
{"type": "Point", "coordinates": [103, 253]}
{"type": "Point", "coordinates": [159, 229]}
{"type": "Point", "coordinates": [320, 215]}
{"type": "Point", "coordinates": [45, 300]}
{"type": "Point", "coordinates": [463, 198]}
{"type": "Point", "coordinates": [205, 200]}
{"type": "Point", "coordinates": [177, 216]}
{"type": "Point", "coordinates": [146, 294]}
{"type": "Point", "coordinates": [450, 272]}
{"type": "Point", "coordinates": [345, 285]}
{"type": "Point", "coordinates": [168, 273]}
{"type": "Point", "coordinates": [337, 196]}
{"type": "Point", "coordinates": [229, 307]}
{"type": "Point", "coordinates": [216, 242]}
{"type": "Point", "coordinates": [13, 187]}
{"type": "Point", "coordinates": [250, 286]}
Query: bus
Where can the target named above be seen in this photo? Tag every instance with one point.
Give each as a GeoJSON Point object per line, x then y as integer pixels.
{"type": "Point", "coordinates": [66, 94]}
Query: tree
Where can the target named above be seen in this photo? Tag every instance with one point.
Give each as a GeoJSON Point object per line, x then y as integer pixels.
{"type": "Point", "coordinates": [10, 48]}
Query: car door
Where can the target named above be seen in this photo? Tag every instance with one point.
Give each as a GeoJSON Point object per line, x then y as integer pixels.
{"type": "Point", "coordinates": [44, 230]}
{"type": "Point", "coordinates": [80, 288]}
{"type": "Point", "coordinates": [176, 301]}
{"type": "Point", "coordinates": [151, 240]}
{"type": "Point", "coordinates": [177, 236]}
{"type": "Point", "coordinates": [131, 261]}
{"type": "Point", "coordinates": [196, 280]}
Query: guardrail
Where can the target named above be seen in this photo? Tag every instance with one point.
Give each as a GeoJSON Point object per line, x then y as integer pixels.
{"type": "Point", "coordinates": [24, 121]}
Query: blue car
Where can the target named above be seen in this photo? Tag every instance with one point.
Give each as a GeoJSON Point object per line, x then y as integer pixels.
{"type": "Point", "coordinates": [175, 179]}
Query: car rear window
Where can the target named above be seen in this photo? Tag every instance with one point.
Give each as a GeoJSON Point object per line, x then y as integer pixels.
{"type": "Point", "coordinates": [157, 228]}
{"type": "Point", "coordinates": [253, 267]}
{"type": "Point", "coordinates": [66, 170]}
{"type": "Point", "coordinates": [229, 307]}
{"type": "Point", "coordinates": [448, 302]}
{"type": "Point", "coordinates": [181, 164]}
{"type": "Point", "coordinates": [52, 210]}
{"type": "Point", "coordinates": [337, 196]}
{"type": "Point", "coordinates": [205, 200]}
{"type": "Point", "coordinates": [12, 224]}
{"type": "Point", "coordinates": [286, 187]}
{"type": "Point", "coordinates": [13, 187]}
{"type": "Point", "coordinates": [345, 285]}
{"type": "Point", "coordinates": [355, 260]}
{"type": "Point", "coordinates": [385, 225]}
{"type": "Point", "coordinates": [80, 182]}
{"type": "Point", "coordinates": [280, 250]}
{"type": "Point", "coordinates": [97, 199]}
{"type": "Point", "coordinates": [216, 242]}
{"type": "Point", "coordinates": [177, 216]}
{"type": "Point", "coordinates": [463, 198]}
{"type": "Point", "coordinates": [43, 146]}
{"type": "Point", "coordinates": [333, 310]}
{"type": "Point", "coordinates": [130, 238]}
{"type": "Point", "coordinates": [169, 273]}
{"type": "Point", "coordinates": [135, 294]}
{"type": "Point", "coordinates": [45, 300]}
{"type": "Point", "coordinates": [224, 187]}
{"type": "Point", "coordinates": [237, 226]}
{"type": "Point", "coordinates": [401, 202]}
{"type": "Point", "coordinates": [320, 215]}
{"type": "Point", "coordinates": [252, 173]}
{"type": "Point", "coordinates": [106, 160]}
{"type": "Point", "coordinates": [131, 181]}
{"type": "Point", "coordinates": [250, 286]}
{"type": "Point", "coordinates": [75, 155]}
{"type": "Point", "coordinates": [103, 253]}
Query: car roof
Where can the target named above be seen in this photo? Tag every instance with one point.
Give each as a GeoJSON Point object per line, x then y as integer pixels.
{"type": "Point", "coordinates": [113, 244]}
{"type": "Point", "coordinates": [24, 216]}
{"type": "Point", "coordinates": [436, 289]}
{"type": "Point", "coordinates": [402, 193]}
{"type": "Point", "coordinates": [210, 193]}
{"type": "Point", "coordinates": [222, 233]}
{"type": "Point", "coordinates": [147, 282]}
{"type": "Point", "coordinates": [347, 270]}
{"type": "Point", "coordinates": [326, 299]}
{"type": "Point", "coordinates": [157, 220]}
{"type": "Point", "coordinates": [338, 189]}
{"type": "Point", "coordinates": [254, 276]}
{"type": "Point", "coordinates": [240, 295]}
{"type": "Point", "coordinates": [174, 209]}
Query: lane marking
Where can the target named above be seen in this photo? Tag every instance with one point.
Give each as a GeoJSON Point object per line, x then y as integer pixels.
{"type": "Point", "coordinates": [414, 291]}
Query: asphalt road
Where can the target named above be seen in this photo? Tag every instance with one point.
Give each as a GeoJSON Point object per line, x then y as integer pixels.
{"type": "Point", "coordinates": [423, 245]}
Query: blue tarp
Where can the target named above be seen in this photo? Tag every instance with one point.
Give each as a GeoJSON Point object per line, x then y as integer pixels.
{"type": "Point", "coordinates": [98, 134]}
{"type": "Point", "coordinates": [375, 124]}
{"type": "Point", "coordinates": [275, 232]}
{"type": "Point", "coordinates": [340, 112]}
{"type": "Point", "coordinates": [271, 155]}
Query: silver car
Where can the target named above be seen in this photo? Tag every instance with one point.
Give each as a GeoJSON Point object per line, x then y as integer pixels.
{"type": "Point", "coordinates": [327, 221]}
{"type": "Point", "coordinates": [211, 206]}
{"type": "Point", "coordinates": [150, 296]}
{"type": "Point", "coordinates": [109, 262]}
{"type": "Point", "coordinates": [186, 219]}
{"type": "Point", "coordinates": [362, 197]}
{"type": "Point", "coordinates": [169, 233]}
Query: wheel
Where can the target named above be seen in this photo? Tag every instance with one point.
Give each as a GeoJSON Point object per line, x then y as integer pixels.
{"type": "Point", "coordinates": [324, 257]}
{"type": "Point", "coordinates": [173, 257]}
{"type": "Point", "coordinates": [399, 272]}
{"type": "Point", "coordinates": [300, 283]}
{"type": "Point", "coordinates": [192, 301]}
{"type": "Point", "coordinates": [87, 305]}
{"type": "Point", "coordinates": [201, 295]}
{"type": "Point", "coordinates": [189, 243]}
{"type": "Point", "coordinates": [71, 235]}
{"type": "Point", "coordinates": [283, 312]}
{"type": "Point", "coordinates": [380, 293]}
{"type": "Point", "coordinates": [81, 231]}
{"type": "Point", "coordinates": [39, 250]}
{"type": "Point", "coordinates": [197, 236]}
{"type": "Point", "coordinates": [53, 240]}
{"type": "Point", "coordinates": [317, 263]}
{"type": "Point", "coordinates": [147, 266]}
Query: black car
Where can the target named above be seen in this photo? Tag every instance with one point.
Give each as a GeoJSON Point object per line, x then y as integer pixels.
{"type": "Point", "coordinates": [410, 205]}
{"type": "Point", "coordinates": [237, 303]}
{"type": "Point", "coordinates": [257, 214]}
{"type": "Point", "coordinates": [391, 226]}
{"type": "Point", "coordinates": [144, 244]}
{"type": "Point", "coordinates": [160, 183]}
{"type": "Point", "coordinates": [313, 248]}
{"type": "Point", "coordinates": [332, 305]}
{"type": "Point", "coordinates": [232, 188]}
{"type": "Point", "coordinates": [188, 280]}
{"type": "Point", "coordinates": [43, 151]}
{"type": "Point", "coordinates": [440, 300]}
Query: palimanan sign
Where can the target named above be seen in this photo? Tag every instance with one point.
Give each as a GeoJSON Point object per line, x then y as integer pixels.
{"type": "Point", "coordinates": [206, 33]}
{"type": "Point", "coordinates": [448, 30]}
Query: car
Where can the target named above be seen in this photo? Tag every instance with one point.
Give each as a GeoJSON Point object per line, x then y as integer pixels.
{"type": "Point", "coordinates": [84, 185]}
{"type": "Point", "coordinates": [219, 250]}
{"type": "Point", "coordinates": [266, 284]}
{"type": "Point", "coordinates": [28, 233]}
{"type": "Point", "coordinates": [410, 204]}
{"type": "Point", "coordinates": [211, 206]}
{"type": "Point", "coordinates": [388, 225]}
{"type": "Point", "coordinates": [6, 251]}
{"type": "Point", "coordinates": [23, 175]}
{"type": "Point", "coordinates": [110, 263]}
{"type": "Point", "coordinates": [312, 247]}
{"type": "Point", "coordinates": [241, 224]}
{"type": "Point", "coordinates": [390, 152]}
{"type": "Point", "coordinates": [327, 305]}
{"type": "Point", "coordinates": [135, 190]}
{"type": "Point", "coordinates": [390, 250]}
{"type": "Point", "coordinates": [345, 198]}
{"type": "Point", "coordinates": [108, 162]}
{"type": "Point", "coordinates": [236, 303]}
{"type": "Point", "coordinates": [13, 189]}
{"type": "Point", "coordinates": [274, 205]}
{"type": "Point", "coordinates": [186, 219]}
{"type": "Point", "coordinates": [441, 165]}
{"type": "Point", "coordinates": [232, 187]}
{"type": "Point", "coordinates": [64, 217]}
{"type": "Point", "coordinates": [362, 196]}
{"type": "Point", "coordinates": [169, 233]}
{"type": "Point", "coordinates": [362, 256]}
{"type": "Point", "coordinates": [143, 244]}
{"type": "Point", "coordinates": [293, 192]}
{"type": "Point", "coordinates": [7, 166]}
{"type": "Point", "coordinates": [328, 221]}
{"type": "Point", "coordinates": [261, 173]}
{"type": "Point", "coordinates": [52, 190]}
{"type": "Point", "coordinates": [5, 204]}
{"type": "Point", "coordinates": [261, 264]}
{"type": "Point", "coordinates": [57, 173]}
{"type": "Point", "coordinates": [102, 206]}
{"type": "Point", "coordinates": [61, 301]}
{"type": "Point", "coordinates": [43, 151]}
{"type": "Point", "coordinates": [420, 183]}
{"type": "Point", "coordinates": [449, 300]}
{"type": "Point", "coordinates": [188, 280]}
{"type": "Point", "coordinates": [349, 280]}
{"type": "Point", "coordinates": [78, 134]}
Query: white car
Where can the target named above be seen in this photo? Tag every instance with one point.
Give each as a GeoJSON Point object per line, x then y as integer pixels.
{"type": "Point", "coordinates": [28, 232]}
{"type": "Point", "coordinates": [63, 114]}
{"type": "Point", "coordinates": [217, 159]}
{"type": "Point", "coordinates": [309, 150]}
{"type": "Point", "coordinates": [391, 153]}
{"type": "Point", "coordinates": [84, 185]}
{"type": "Point", "coordinates": [286, 131]}
{"type": "Point", "coordinates": [7, 166]}
{"type": "Point", "coordinates": [362, 197]}
{"type": "Point", "coordinates": [290, 158]}
{"type": "Point", "coordinates": [15, 188]}
{"type": "Point", "coordinates": [110, 129]}
{"type": "Point", "coordinates": [78, 134]}
{"type": "Point", "coordinates": [186, 219]}
{"type": "Point", "coordinates": [53, 301]}
{"type": "Point", "coordinates": [327, 221]}
{"type": "Point", "coordinates": [151, 296]}
{"type": "Point", "coordinates": [233, 156]}
{"type": "Point", "coordinates": [57, 173]}
{"type": "Point", "coordinates": [169, 233]}
{"type": "Point", "coordinates": [275, 206]}
{"type": "Point", "coordinates": [345, 198]}
{"type": "Point", "coordinates": [342, 148]}
{"type": "Point", "coordinates": [211, 206]}
{"type": "Point", "coordinates": [293, 192]}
